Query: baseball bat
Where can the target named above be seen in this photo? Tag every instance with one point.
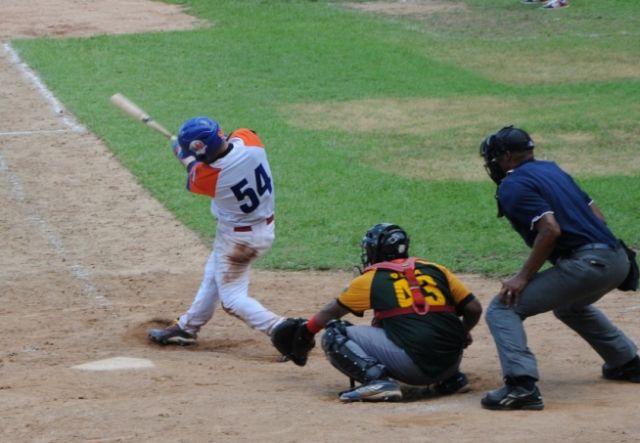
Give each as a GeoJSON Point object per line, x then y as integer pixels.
{"type": "Point", "coordinates": [135, 111]}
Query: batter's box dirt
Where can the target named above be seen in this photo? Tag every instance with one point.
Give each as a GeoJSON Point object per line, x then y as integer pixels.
{"type": "Point", "coordinates": [258, 349]}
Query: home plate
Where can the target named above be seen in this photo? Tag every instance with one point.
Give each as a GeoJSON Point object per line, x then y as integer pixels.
{"type": "Point", "coordinates": [115, 363]}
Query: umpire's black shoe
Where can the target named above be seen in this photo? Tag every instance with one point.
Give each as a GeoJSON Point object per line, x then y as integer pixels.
{"type": "Point", "coordinates": [630, 371]}
{"type": "Point", "coordinates": [458, 382]}
{"type": "Point", "coordinates": [511, 397]}
{"type": "Point", "coordinates": [172, 335]}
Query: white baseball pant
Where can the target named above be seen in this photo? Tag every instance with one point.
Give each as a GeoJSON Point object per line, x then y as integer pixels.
{"type": "Point", "coordinates": [226, 278]}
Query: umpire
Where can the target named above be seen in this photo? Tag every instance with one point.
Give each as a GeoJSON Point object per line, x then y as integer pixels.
{"type": "Point", "coordinates": [561, 224]}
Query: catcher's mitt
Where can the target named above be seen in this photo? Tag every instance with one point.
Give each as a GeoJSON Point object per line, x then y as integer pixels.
{"type": "Point", "coordinates": [293, 340]}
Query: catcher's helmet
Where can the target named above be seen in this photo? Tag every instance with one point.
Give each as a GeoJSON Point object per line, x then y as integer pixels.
{"type": "Point", "coordinates": [494, 145]}
{"type": "Point", "coordinates": [384, 242]}
{"type": "Point", "coordinates": [201, 136]}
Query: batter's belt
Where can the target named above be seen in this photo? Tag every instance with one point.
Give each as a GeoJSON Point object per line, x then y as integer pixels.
{"type": "Point", "coordinates": [267, 221]}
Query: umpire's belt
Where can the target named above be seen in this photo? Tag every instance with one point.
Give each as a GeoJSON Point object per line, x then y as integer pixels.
{"type": "Point", "coordinates": [267, 220]}
{"type": "Point", "coordinates": [594, 246]}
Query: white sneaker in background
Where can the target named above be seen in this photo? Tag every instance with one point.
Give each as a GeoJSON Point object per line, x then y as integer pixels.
{"type": "Point", "coordinates": [555, 4]}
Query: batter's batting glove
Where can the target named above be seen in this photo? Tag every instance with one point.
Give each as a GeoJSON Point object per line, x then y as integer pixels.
{"type": "Point", "coordinates": [176, 149]}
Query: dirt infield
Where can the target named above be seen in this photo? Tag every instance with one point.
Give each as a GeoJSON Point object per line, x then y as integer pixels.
{"type": "Point", "coordinates": [89, 261]}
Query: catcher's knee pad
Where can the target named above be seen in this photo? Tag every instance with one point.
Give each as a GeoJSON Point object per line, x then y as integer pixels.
{"type": "Point", "coordinates": [347, 356]}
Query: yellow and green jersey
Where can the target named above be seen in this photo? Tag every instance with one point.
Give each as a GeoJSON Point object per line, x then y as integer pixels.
{"type": "Point", "coordinates": [433, 341]}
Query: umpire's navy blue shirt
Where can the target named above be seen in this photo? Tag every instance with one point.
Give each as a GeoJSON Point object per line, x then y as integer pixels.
{"type": "Point", "coordinates": [536, 188]}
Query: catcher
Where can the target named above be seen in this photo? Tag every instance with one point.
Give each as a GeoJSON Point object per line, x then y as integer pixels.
{"type": "Point", "coordinates": [423, 317]}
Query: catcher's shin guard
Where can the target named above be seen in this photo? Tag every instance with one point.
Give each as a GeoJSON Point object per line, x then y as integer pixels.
{"type": "Point", "coordinates": [348, 357]}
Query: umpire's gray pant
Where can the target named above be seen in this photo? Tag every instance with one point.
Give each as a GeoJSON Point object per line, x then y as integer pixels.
{"type": "Point", "coordinates": [569, 288]}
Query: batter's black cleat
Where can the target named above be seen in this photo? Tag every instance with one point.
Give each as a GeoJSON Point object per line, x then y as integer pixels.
{"type": "Point", "coordinates": [458, 382]}
{"type": "Point", "coordinates": [630, 371]}
{"type": "Point", "coordinates": [513, 397]}
{"type": "Point", "coordinates": [376, 390]}
{"type": "Point", "coordinates": [172, 335]}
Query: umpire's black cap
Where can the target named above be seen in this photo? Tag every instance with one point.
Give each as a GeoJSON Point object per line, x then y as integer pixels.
{"type": "Point", "coordinates": [515, 139]}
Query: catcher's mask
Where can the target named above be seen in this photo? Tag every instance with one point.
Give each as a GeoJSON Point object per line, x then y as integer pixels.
{"type": "Point", "coordinates": [384, 242]}
{"type": "Point", "coordinates": [202, 137]}
{"type": "Point", "coordinates": [494, 145]}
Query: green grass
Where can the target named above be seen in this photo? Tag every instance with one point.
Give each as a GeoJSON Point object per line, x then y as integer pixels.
{"type": "Point", "coordinates": [571, 77]}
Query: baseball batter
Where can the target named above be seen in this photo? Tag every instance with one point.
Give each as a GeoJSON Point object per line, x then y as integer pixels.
{"type": "Point", "coordinates": [234, 172]}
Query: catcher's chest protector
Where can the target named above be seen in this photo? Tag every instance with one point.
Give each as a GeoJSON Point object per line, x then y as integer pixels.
{"type": "Point", "coordinates": [419, 306]}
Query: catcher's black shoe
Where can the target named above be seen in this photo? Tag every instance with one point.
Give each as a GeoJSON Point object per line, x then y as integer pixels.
{"type": "Point", "coordinates": [172, 335]}
{"type": "Point", "coordinates": [458, 382]}
{"type": "Point", "coordinates": [510, 397]}
{"type": "Point", "coordinates": [630, 371]}
{"type": "Point", "coordinates": [376, 390]}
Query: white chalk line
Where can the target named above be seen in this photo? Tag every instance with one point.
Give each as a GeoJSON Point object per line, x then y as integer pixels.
{"type": "Point", "coordinates": [32, 77]}
{"type": "Point", "coordinates": [45, 228]}
{"type": "Point", "coordinates": [50, 234]}
{"type": "Point", "coordinates": [37, 132]}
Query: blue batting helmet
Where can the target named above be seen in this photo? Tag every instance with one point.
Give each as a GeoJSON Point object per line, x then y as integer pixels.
{"type": "Point", "coordinates": [202, 136]}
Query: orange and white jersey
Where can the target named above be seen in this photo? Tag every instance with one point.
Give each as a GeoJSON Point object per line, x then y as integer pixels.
{"type": "Point", "coordinates": [240, 182]}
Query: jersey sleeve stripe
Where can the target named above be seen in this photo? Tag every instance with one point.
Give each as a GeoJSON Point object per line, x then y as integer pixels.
{"type": "Point", "coordinates": [203, 179]}
{"type": "Point", "coordinates": [249, 137]}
